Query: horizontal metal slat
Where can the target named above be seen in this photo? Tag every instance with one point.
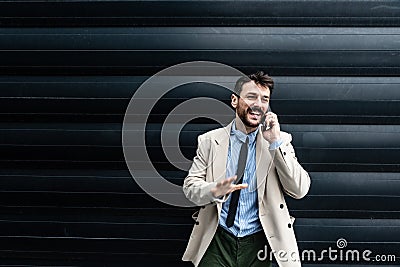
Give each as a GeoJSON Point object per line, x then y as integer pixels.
{"type": "Point", "coordinates": [330, 63]}
{"type": "Point", "coordinates": [216, 13]}
{"type": "Point", "coordinates": [205, 38]}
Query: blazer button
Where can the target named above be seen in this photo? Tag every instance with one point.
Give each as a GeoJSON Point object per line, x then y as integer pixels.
{"type": "Point", "coordinates": [197, 223]}
{"type": "Point", "coordinates": [289, 225]}
{"type": "Point", "coordinates": [281, 206]}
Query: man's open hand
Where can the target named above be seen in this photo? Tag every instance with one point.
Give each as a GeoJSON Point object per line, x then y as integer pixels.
{"type": "Point", "coordinates": [226, 186]}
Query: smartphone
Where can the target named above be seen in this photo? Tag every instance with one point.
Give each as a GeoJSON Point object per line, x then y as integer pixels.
{"type": "Point", "coordinates": [265, 126]}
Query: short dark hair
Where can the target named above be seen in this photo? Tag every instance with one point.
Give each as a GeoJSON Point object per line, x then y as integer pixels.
{"type": "Point", "coordinates": [259, 78]}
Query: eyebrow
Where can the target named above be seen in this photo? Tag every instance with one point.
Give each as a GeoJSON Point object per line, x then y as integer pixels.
{"type": "Point", "coordinates": [252, 93]}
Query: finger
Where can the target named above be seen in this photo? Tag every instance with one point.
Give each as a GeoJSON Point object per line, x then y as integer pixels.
{"type": "Point", "coordinates": [272, 122]}
{"type": "Point", "coordinates": [225, 184]}
{"type": "Point", "coordinates": [271, 115]}
{"type": "Point", "coordinates": [275, 121]}
{"type": "Point", "coordinates": [269, 122]}
{"type": "Point", "coordinates": [272, 119]}
{"type": "Point", "coordinates": [239, 187]}
{"type": "Point", "coordinates": [229, 180]}
{"type": "Point", "coordinates": [242, 186]}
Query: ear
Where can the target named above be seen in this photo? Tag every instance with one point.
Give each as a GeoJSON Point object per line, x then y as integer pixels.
{"type": "Point", "coordinates": [234, 100]}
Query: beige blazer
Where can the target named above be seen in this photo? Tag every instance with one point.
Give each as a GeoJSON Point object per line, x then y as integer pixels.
{"type": "Point", "coordinates": [278, 172]}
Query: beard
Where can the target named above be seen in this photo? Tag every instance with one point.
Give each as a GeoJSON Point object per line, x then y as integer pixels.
{"type": "Point", "coordinates": [243, 113]}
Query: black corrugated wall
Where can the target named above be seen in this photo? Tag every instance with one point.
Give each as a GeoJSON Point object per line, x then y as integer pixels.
{"type": "Point", "coordinates": [69, 68]}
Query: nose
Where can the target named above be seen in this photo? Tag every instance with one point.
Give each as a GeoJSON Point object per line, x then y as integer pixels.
{"type": "Point", "coordinates": [257, 102]}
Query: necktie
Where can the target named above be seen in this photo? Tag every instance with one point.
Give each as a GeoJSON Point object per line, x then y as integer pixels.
{"type": "Point", "coordinates": [235, 194]}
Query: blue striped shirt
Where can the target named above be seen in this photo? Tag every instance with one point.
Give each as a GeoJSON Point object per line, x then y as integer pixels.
{"type": "Point", "coordinates": [247, 221]}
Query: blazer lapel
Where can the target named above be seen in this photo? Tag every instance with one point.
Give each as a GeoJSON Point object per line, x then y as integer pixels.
{"type": "Point", "coordinates": [263, 163]}
{"type": "Point", "coordinates": [221, 144]}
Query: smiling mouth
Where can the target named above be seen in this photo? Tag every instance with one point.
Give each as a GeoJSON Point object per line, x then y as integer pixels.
{"type": "Point", "coordinates": [254, 115]}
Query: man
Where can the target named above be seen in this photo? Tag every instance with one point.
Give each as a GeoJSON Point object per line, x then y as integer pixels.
{"type": "Point", "coordinates": [239, 176]}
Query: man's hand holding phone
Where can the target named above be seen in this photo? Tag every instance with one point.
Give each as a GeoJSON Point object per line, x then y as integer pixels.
{"type": "Point", "coordinates": [271, 128]}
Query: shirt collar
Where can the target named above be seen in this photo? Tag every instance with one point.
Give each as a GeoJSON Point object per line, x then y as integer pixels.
{"type": "Point", "coordinates": [242, 136]}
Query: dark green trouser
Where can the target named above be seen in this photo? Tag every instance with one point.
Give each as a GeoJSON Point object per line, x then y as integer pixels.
{"type": "Point", "coordinates": [227, 250]}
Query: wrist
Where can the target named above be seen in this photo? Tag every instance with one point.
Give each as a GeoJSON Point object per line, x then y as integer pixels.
{"type": "Point", "coordinates": [275, 139]}
{"type": "Point", "coordinates": [275, 145]}
{"type": "Point", "coordinates": [214, 192]}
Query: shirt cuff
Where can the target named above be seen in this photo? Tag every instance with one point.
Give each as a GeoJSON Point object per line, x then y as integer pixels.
{"type": "Point", "coordinates": [275, 145]}
{"type": "Point", "coordinates": [219, 200]}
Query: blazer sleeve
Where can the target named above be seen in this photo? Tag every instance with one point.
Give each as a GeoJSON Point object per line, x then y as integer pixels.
{"type": "Point", "coordinates": [195, 186]}
{"type": "Point", "coordinates": [294, 179]}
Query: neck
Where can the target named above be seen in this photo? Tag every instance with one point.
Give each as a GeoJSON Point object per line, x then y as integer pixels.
{"type": "Point", "coordinates": [242, 127]}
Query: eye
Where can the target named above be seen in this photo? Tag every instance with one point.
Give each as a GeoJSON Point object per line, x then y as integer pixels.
{"type": "Point", "coordinates": [251, 97]}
